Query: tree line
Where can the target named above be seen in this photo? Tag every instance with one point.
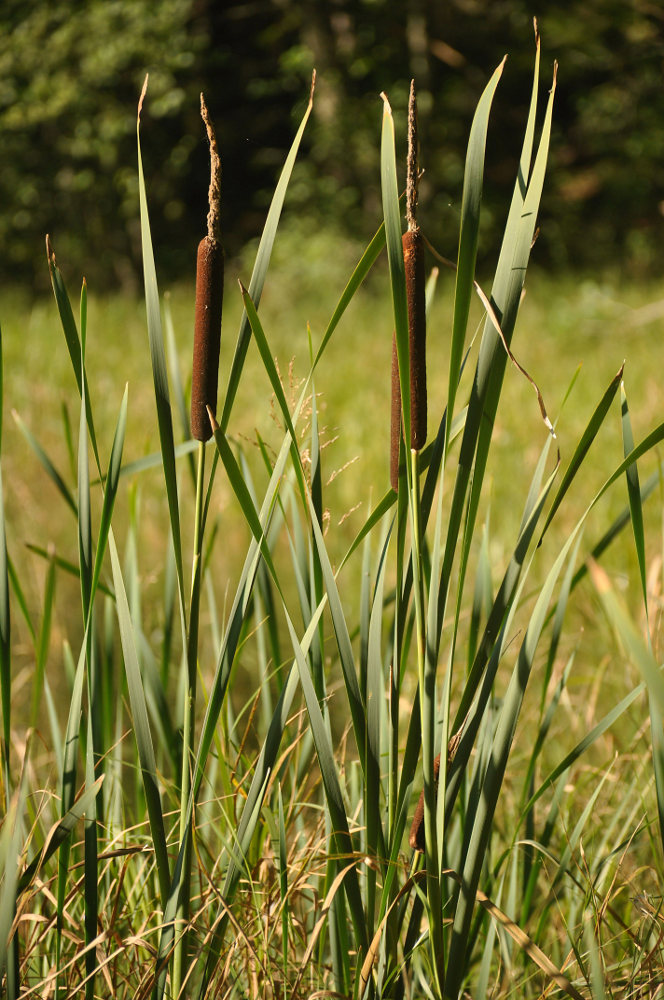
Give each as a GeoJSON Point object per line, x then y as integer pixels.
{"type": "Point", "coordinates": [69, 84]}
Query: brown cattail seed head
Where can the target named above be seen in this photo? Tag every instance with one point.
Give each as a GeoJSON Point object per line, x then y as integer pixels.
{"type": "Point", "coordinates": [413, 255]}
{"type": "Point", "coordinates": [207, 335]}
{"type": "Point", "coordinates": [417, 839]}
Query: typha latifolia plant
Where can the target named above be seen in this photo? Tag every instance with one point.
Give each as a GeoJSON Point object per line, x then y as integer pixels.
{"type": "Point", "coordinates": [314, 866]}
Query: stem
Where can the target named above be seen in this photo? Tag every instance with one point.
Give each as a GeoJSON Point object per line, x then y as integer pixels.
{"type": "Point", "coordinates": [427, 687]}
{"type": "Point", "coordinates": [180, 956]}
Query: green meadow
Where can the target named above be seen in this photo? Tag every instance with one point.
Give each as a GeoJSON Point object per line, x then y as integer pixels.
{"type": "Point", "coordinates": [235, 672]}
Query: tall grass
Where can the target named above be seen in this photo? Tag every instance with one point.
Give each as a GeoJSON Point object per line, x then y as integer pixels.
{"type": "Point", "coordinates": [247, 774]}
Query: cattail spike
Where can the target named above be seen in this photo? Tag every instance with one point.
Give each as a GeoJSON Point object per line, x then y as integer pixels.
{"type": "Point", "coordinates": [413, 256]}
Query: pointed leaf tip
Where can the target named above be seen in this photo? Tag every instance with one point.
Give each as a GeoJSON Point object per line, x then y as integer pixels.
{"type": "Point", "coordinates": [142, 97]}
{"type": "Point", "coordinates": [50, 252]}
{"type": "Point", "coordinates": [386, 104]}
{"type": "Point", "coordinates": [213, 420]}
{"type": "Point", "coordinates": [313, 87]}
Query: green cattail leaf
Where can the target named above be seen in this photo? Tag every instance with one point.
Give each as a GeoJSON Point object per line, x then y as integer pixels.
{"type": "Point", "coordinates": [59, 834]}
{"type": "Point", "coordinates": [636, 512]}
{"type": "Point", "coordinates": [227, 652]}
{"type": "Point", "coordinates": [141, 726]}
{"type": "Point", "coordinates": [10, 849]}
{"type": "Point", "coordinates": [91, 871]}
{"type": "Point", "coordinates": [48, 465]}
{"type": "Point", "coordinates": [262, 263]}
{"type": "Point", "coordinates": [20, 596]}
{"type": "Point", "coordinates": [503, 602]}
{"type": "Point", "coordinates": [110, 490]}
{"type": "Point", "coordinates": [255, 796]}
{"type": "Point", "coordinates": [71, 337]}
{"type": "Point", "coordinates": [642, 656]}
{"type": "Point", "coordinates": [582, 746]}
{"type": "Point", "coordinates": [273, 375]}
{"type": "Point", "coordinates": [587, 438]}
{"type": "Point", "coordinates": [176, 380]}
{"type": "Point", "coordinates": [476, 835]}
{"type": "Point", "coordinates": [617, 526]}
{"type": "Point", "coordinates": [64, 564]}
{"type": "Point", "coordinates": [391, 213]}
{"type": "Point", "coordinates": [634, 494]}
{"type": "Point", "coordinates": [84, 521]}
{"type": "Point", "coordinates": [333, 794]}
{"type": "Point", "coordinates": [154, 460]}
{"type": "Point", "coordinates": [68, 779]}
{"type": "Point", "coordinates": [505, 295]}
{"type": "Point", "coordinates": [478, 832]}
{"type": "Point", "coordinates": [159, 372]}
{"type": "Point", "coordinates": [471, 201]}
{"type": "Point", "coordinates": [5, 647]}
{"type": "Point", "coordinates": [237, 481]}
{"type": "Point", "coordinates": [362, 268]}
{"type": "Point", "coordinates": [344, 645]}
{"type": "Point", "coordinates": [5, 624]}
{"type": "Point", "coordinates": [375, 703]}
{"type": "Point", "coordinates": [44, 642]}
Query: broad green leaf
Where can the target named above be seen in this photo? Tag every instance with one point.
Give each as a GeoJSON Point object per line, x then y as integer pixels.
{"type": "Point", "coordinates": [141, 726]}
{"type": "Point", "coordinates": [471, 201]}
{"type": "Point", "coordinates": [159, 372]}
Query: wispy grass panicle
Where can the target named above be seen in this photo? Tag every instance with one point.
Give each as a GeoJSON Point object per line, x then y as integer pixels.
{"type": "Point", "coordinates": [209, 301]}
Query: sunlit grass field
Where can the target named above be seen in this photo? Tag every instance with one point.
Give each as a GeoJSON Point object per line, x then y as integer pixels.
{"type": "Point", "coordinates": [572, 335]}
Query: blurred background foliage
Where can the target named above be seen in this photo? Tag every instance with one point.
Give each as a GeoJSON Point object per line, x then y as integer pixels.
{"type": "Point", "coordinates": [70, 77]}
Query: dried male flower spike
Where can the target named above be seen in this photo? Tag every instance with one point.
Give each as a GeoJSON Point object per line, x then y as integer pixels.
{"type": "Point", "coordinates": [209, 301]}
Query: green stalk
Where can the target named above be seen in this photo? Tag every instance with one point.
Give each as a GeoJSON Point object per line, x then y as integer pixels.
{"type": "Point", "coordinates": [180, 958]}
{"type": "Point", "coordinates": [427, 691]}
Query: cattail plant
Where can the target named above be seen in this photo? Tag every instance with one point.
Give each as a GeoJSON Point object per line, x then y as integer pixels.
{"type": "Point", "coordinates": [413, 256]}
{"type": "Point", "coordinates": [209, 299]}
{"type": "Point", "coordinates": [205, 370]}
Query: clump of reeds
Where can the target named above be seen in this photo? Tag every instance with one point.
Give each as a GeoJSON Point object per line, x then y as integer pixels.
{"type": "Point", "coordinates": [209, 300]}
{"type": "Point", "coordinates": [413, 256]}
